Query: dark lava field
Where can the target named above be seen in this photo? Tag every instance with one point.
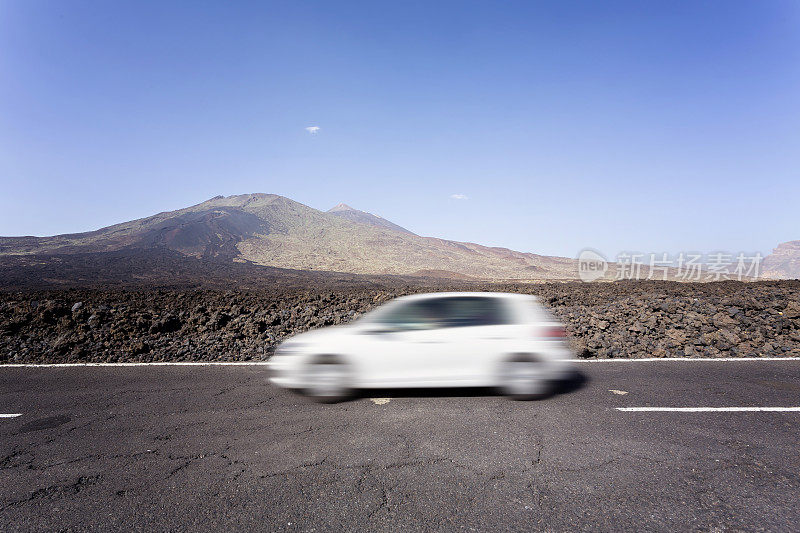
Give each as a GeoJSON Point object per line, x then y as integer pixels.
{"type": "Point", "coordinates": [604, 320]}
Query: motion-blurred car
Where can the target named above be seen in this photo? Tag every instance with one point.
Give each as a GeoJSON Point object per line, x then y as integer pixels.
{"type": "Point", "coordinates": [476, 339]}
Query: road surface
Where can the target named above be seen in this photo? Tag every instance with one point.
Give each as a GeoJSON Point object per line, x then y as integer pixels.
{"type": "Point", "coordinates": [216, 447]}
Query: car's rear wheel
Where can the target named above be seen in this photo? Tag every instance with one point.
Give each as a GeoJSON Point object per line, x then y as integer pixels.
{"type": "Point", "coordinates": [328, 380]}
{"type": "Point", "coordinates": [524, 378]}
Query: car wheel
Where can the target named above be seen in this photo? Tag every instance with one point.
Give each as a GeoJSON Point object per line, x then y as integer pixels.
{"type": "Point", "coordinates": [328, 380]}
{"type": "Point", "coordinates": [523, 378]}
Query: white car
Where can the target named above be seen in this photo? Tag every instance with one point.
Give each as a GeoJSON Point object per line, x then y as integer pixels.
{"type": "Point", "coordinates": [455, 339]}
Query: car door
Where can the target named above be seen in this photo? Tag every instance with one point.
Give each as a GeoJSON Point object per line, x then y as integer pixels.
{"type": "Point", "coordinates": [482, 328]}
{"type": "Point", "coordinates": [404, 347]}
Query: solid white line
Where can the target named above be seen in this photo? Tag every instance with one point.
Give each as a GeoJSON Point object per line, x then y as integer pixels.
{"type": "Point", "coordinates": [10, 415]}
{"type": "Point", "coordinates": [686, 359]}
{"type": "Point", "coordinates": [709, 409]}
{"type": "Point", "coordinates": [154, 363]}
{"type": "Point", "coordinates": [260, 363]}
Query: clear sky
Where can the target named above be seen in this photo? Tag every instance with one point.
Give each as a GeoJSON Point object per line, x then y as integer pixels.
{"type": "Point", "coordinates": [657, 127]}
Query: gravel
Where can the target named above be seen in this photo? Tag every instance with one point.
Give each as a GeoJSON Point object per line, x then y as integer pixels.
{"type": "Point", "coordinates": [606, 320]}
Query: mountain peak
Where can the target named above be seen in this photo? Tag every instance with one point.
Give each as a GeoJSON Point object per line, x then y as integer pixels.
{"type": "Point", "coordinates": [341, 207]}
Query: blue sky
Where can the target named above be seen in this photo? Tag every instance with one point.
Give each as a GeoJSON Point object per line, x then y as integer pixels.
{"type": "Point", "coordinates": [657, 127]}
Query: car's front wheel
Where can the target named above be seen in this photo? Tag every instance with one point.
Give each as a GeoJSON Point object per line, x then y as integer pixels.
{"type": "Point", "coordinates": [524, 378]}
{"type": "Point", "coordinates": [328, 380]}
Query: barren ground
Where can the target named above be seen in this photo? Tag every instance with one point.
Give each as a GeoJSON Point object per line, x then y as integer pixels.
{"type": "Point", "coordinates": [617, 320]}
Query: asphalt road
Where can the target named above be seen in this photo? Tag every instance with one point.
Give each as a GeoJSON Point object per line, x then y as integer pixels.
{"type": "Point", "coordinates": [175, 448]}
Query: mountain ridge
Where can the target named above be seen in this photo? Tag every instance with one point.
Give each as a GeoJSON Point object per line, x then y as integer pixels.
{"type": "Point", "coordinates": [783, 262]}
{"type": "Point", "coordinates": [272, 230]}
{"type": "Point", "coordinates": [275, 231]}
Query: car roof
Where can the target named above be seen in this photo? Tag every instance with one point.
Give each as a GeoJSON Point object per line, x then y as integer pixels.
{"type": "Point", "coordinates": [430, 295]}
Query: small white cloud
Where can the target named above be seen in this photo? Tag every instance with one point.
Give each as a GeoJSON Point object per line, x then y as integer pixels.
{"type": "Point", "coordinates": [459, 197]}
{"type": "Point", "coordinates": [312, 129]}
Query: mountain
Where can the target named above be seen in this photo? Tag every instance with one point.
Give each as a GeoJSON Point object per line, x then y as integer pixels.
{"type": "Point", "coordinates": [271, 230]}
{"type": "Point", "coordinates": [783, 262]}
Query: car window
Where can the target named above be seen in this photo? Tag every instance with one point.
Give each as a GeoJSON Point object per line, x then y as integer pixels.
{"type": "Point", "coordinates": [465, 311]}
{"type": "Point", "coordinates": [425, 314]}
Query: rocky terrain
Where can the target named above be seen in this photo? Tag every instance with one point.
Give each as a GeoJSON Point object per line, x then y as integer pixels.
{"type": "Point", "coordinates": [161, 268]}
{"type": "Point", "coordinates": [626, 319]}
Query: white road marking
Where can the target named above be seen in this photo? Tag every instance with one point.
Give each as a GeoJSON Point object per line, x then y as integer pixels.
{"type": "Point", "coordinates": [620, 392]}
{"type": "Point", "coordinates": [10, 415]}
{"type": "Point", "coordinates": [709, 409]}
{"type": "Point", "coordinates": [380, 401]}
{"type": "Point", "coordinates": [261, 363]}
{"type": "Point", "coordinates": [685, 359]}
{"type": "Point", "coordinates": [154, 363]}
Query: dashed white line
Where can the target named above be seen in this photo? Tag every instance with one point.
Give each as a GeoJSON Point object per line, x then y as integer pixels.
{"type": "Point", "coordinates": [380, 401]}
{"type": "Point", "coordinates": [10, 415]}
{"type": "Point", "coordinates": [709, 409]}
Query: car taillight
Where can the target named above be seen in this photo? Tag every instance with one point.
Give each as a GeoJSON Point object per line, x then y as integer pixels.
{"type": "Point", "coordinates": [552, 332]}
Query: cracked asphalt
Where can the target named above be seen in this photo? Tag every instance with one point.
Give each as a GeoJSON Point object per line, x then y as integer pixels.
{"type": "Point", "coordinates": [204, 447]}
